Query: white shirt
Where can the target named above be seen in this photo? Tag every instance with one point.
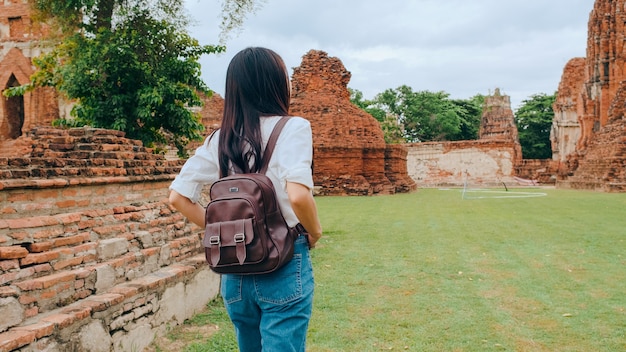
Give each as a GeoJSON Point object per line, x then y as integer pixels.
{"type": "Point", "coordinates": [291, 161]}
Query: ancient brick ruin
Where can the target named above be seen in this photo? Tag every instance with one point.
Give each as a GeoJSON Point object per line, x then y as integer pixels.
{"type": "Point", "coordinates": [350, 154]}
{"type": "Point", "coordinates": [92, 256]}
{"type": "Point", "coordinates": [567, 107]}
{"type": "Point", "coordinates": [488, 161]}
{"type": "Point", "coordinates": [18, 45]}
{"type": "Point", "coordinates": [589, 134]}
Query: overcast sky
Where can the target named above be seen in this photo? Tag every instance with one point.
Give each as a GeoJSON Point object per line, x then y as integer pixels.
{"type": "Point", "coordinates": [458, 46]}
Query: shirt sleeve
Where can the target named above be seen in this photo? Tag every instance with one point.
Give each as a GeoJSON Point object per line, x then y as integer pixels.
{"type": "Point", "coordinates": [199, 170]}
{"type": "Point", "coordinates": [295, 153]}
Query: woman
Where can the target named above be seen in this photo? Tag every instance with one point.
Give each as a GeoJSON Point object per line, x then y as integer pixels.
{"type": "Point", "coordinates": [270, 312]}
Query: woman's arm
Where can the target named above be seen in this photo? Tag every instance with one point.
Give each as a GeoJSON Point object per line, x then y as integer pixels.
{"type": "Point", "coordinates": [304, 206]}
{"type": "Point", "coordinates": [192, 211]}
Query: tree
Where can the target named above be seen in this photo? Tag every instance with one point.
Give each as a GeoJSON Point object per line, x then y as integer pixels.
{"type": "Point", "coordinates": [369, 106]}
{"type": "Point", "coordinates": [424, 115]}
{"type": "Point", "coordinates": [128, 65]}
{"type": "Point", "coordinates": [392, 129]}
{"type": "Point", "coordinates": [470, 113]}
{"type": "Point", "coordinates": [534, 121]}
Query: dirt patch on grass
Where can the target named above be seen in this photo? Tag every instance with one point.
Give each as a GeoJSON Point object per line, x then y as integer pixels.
{"type": "Point", "coordinates": [180, 337]}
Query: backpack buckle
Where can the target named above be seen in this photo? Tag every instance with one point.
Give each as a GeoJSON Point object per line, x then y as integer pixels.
{"type": "Point", "coordinates": [239, 237]}
{"type": "Point", "coordinates": [214, 240]}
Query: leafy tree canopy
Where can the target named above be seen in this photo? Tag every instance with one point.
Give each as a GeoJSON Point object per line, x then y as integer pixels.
{"type": "Point", "coordinates": [128, 65]}
{"type": "Point", "coordinates": [534, 121]}
{"type": "Point", "coordinates": [423, 116]}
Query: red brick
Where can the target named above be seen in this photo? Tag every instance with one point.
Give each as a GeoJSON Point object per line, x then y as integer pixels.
{"type": "Point", "coordinates": [69, 218]}
{"type": "Point", "coordinates": [45, 295]}
{"type": "Point", "coordinates": [96, 305]}
{"type": "Point", "coordinates": [83, 203]}
{"type": "Point", "coordinates": [82, 273]}
{"type": "Point", "coordinates": [49, 232]}
{"type": "Point", "coordinates": [60, 320]}
{"type": "Point", "coordinates": [85, 224]}
{"type": "Point", "coordinates": [109, 231]}
{"type": "Point", "coordinates": [13, 252]}
{"type": "Point", "coordinates": [70, 240]}
{"type": "Point", "coordinates": [32, 222]}
{"type": "Point", "coordinates": [61, 264]}
{"type": "Point", "coordinates": [38, 258]}
{"type": "Point", "coordinates": [40, 247]}
{"type": "Point", "coordinates": [8, 210]}
{"type": "Point", "coordinates": [80, 312]}
{"type": "Point", "coordinates": [149, 252]}
{"type": "Point", "coordinates": [26, 299]}
{"type": "Point", "coordinates": [6, 291]}
{"type": "Point", "coordinates": [42, 268]}
{"type": "Point", "coordinates": [12, 340]}
{"type": "Point", "coordinates": [46, 281]}
{"type": "Point", "coordinates": [127, 291]}
{"type": "Point", "coordinates": [70, 203]}
{"type": "Point", "coordinates": [80, 294]}
{"type": "Point", "coordinates": [85, 247]}
{"type": "Point", "coordinates": [6, 265]}
{"type": "Point", "coordinates": [41, 329]}
{"type": "Point", "coordinates": [20, 197]}
{"type": "Point", "coordinates": [37, 206]}
{"type": "Point", "coordinates": [19, 235]}
{"type": "Point", "coordinates": [31, 312]}
{"type": "Point", "coordinates": [46, 194]}
{"type": "Point", "coordinates": [103, 301]}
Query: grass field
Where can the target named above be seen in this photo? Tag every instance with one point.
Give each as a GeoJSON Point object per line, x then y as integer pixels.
{"type": "Point", "coordinates": [434, 271]}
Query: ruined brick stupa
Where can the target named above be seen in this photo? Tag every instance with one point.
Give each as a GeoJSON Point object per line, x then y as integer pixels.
{"type": "Point", "coordinates": [351, 156]}
{"type": "Point", "coordinates": [589, 133]}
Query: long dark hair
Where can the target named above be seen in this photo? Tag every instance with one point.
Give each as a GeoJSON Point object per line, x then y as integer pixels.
{"type": "Point", "coordinates": [257, 84]}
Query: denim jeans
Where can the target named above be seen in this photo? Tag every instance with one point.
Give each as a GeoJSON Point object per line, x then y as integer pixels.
{"type": "Point", "coordinates": [271, 312]}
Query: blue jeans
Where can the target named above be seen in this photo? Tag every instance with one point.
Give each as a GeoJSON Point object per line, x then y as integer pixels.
{"type": "Point", "coordinates": [271, 312]}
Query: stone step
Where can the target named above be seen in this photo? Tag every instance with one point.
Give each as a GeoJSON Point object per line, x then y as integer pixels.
{"type": "Point", "coordinates": [123, 308]}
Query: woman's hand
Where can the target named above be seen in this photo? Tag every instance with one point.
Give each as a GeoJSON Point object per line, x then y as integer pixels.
{"type": "Point", "coordinates": [304, 206]}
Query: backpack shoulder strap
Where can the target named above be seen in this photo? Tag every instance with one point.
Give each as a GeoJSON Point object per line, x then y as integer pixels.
{"type": "Point", "coordinates": [271, 143]}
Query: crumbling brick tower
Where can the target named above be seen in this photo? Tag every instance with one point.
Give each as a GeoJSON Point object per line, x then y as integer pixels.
{"type": "Point", "coordinates": [498, 122]}
{"type": "Point", "coordinates": [19, 43]}
{"type": "Point", "coordinates": [598, 99]}
{"type": "Point", "coordinates": [350, 154]}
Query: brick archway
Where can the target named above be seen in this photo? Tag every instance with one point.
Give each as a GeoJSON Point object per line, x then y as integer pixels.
{"type": "Point", "coordinates": [11, 126]}
{"type": "Point", "coordinates": [15, 70]}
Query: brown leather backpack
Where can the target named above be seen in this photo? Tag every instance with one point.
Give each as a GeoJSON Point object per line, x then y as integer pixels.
{"type": "Point", "coordinates": [245, 230]}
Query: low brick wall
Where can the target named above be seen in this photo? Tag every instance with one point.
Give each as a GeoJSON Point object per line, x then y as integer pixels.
{"type": "Point", "coordinates": [485, 163]}
{"type": "Point", "coordinates": [94, 258]}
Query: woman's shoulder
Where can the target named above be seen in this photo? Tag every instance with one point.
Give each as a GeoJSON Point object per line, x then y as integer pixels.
{"type": "Point", "coordinates": [297, 120]}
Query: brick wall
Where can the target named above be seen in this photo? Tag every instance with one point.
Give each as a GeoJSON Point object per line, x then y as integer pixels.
{"type": "Point", "coordinates": [484, 163]}
{"type": "Point", "coordinates": [89, 242]}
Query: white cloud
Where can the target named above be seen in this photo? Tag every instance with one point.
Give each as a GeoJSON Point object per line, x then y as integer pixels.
{"type": "Point", "coordinates": [457, 46]}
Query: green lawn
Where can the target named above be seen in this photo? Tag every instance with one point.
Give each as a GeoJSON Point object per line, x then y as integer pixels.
{"type": "Point", "coordinates": [432, 271]}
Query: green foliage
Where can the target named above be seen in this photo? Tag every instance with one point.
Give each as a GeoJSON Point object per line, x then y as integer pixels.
{"type": "Point", "coordinates": [408, 116]}
{"type": "Point", "coordinates": [470, 112]}
{"type": "Point", "coordinates": [534, 121]}
{"type": "Point", "coordinates": [128, 64]}
{"type": "Point", "coordinates": [392, 129]}
{"type": "Point", "coordinates": [369, 106]}
{"type": "Point", "coordinates": [430, 116]}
